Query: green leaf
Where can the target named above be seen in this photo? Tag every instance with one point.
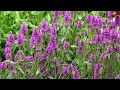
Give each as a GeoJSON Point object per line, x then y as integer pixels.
{"type": "Point", "coordinates": [9, 76]}
{"type": "Point", "coordinates": [37, 72]}
{"type": "Point", "coordinates": [73, 46]}
{"type": "Point", "coordinates": [90, 34]}
{"type": "Point", "coordinates": [79, 17]}
{"type": "Point", "coordinates": [11, 62]}
{"type": "Point", "coordinates": [25, 21]}
{"type": "Point", "coordinates": [17, 17]}
{"type": "Point", "coordinates": [50, 77]}
{"type": "Point", "coordinates": [21, 70]}
{"type": "Point", "coordinates": [108, 55]}
{"type": "Point", "coordinates": [7, 12]}
{"type": "Point", "coordinates": [34, 13]}
{"type": "Point", "coordinates": [68, 57]}
{"type": "Point", "coordinates": [31, 25]}
{"type": "Point", "coordinates": [95, 12]}
{"type": "Point", "coordinates": [63, 39]}
{"type": "Point", "coordinates": [48, 17]}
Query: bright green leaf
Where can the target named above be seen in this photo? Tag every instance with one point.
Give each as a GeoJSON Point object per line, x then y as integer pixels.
{"type": "Point", "coordinates": [73, 46]}
{"type": "Point", "coordinates": [21, 70]}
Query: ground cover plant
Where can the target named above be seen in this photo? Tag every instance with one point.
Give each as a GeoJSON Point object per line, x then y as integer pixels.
{"type": "Point", "coordinates": [59, 45]}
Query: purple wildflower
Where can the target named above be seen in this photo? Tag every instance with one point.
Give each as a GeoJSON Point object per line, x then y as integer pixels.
{"type": "Point", "coordinates": [8, 44]}
{"type": "Point", "coordinates": [10, 40]}
{"type": "Point", "coordinates": [30, 75]}
{"type": "Point", "coordinates": [109, 50]}
{"type": "Point", "coordinates": [53, 33]}
{"type": "Point", "coordinates": [44, 25]}
{"type": "Point", "coordinates": [13, 72]}
{"type": "Point", "coordinates": [66, 70]}
{"type": "Point", "coordinates": [75, 73]}
{"type": "Point", "coordinates": [3, 65]}
{"type": "Point", "coordinates": [11, 66]}
{"type": "Point", "coordinates": [67, 16]}
{"type": "Point", "coordinates": [57, 13]}
{"type": "Point", "coordinates": [30, 58]}
{"type": "Point", "coordinates": [30, 65]}
{"type": "Point", "coordinates": [117, 49]}
{"type": "Point", "coordinates": [16, 58]}
{"type": "Point", "coordinates": [118, 76]}
{"type": "Point", "coordinates": [109, 15]}
{"type": "Point", "coordinates": [88, 18]}
{"type": "Point", "coordinates": [24, 29]}
{"type": "Point", "coordinates": [79, 24]}
{"type": "Point", "coordinates": [8, 56]}
{"type": "Point", "coordinates": [106, 21]}
{"type": "Point", "coordinates": [20, 39]}
{"type": "Point", "coordinates": [44, 56]}
{"type": "Point", "coordinates": [92, 58]}
{"type": "Point", "coordinates": [7, 53]}
{"type": "Point", "coordinates": [105, 57]}
{"type": "Point", "coordinates": [32, 43]}
{"type": "Point", "coordinates": [50, 48]}
{"type": "Point", "coordinates": [112, 24]}
{"type": "Point", "coordinates": [42, 69]}
{"type": "Point", "coordinates": [90, 25]}
{"type": "Point", "coordinates": [80, 48]}
{"type": "Point", "coordinates": [55, 16]}
{"type": "Point", "coordinates": [38, 36]}
{"type": "Point", "coordinates": [37, 56]}
{"type": "Point", "coordinates": [55, 61]}
{"type": "Point", "coordinates": [101, 56]}
{"type": "Point", "coordinates": [25, 59]}
{"type": "Point", "coordinates": [117, 20]}
{"type": "Point", "coordinates": [22, 54]}
{"type": "Point", "coordinates": [7, 50]}
{"type": "Point", "coordinates": [66, 45]}
{"type": "Point", "coordinates": [97, 70]}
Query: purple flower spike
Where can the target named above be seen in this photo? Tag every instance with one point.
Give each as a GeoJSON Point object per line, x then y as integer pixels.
{"type": "Point", "coordinates": [79, 24]}
{"type": "Point", "coordinates": [8, 56]}
{"type": "Point", "coordinates": [109, 15]}
{"type": "Point", "coordinates": [88, 18]}
{"type": "Point", "coordinates": [3, 65]}
{"type": "Point", "coordinates": [11, 67]}
{"type": "Point", "coordinates": [44, 25]}
{"type": "Point", "coordinates": [13, 72]}
{"type": "Point", "coordinates": [16, 58]}
{"type": "Point", "coordinates": [32, 43]}
{"type": "Point", "coordinates": [30, 58]}
{"type": "Point", "coordinates": [22, 54]}
{"type": "Point", "coordinates": [37, 56]}
{"type": "Point", "coordinates": [11, 38]}
{"type": "Point", "coordinates": [92, 58]}
{"type": "Point", "coordinates": [66, 45]}
{"type": "Point", "coordinates": [24, 29]}
{"type": "Point", "coordinates": [101, 56]}
{"type": "Point", "coordinates": [67, 16]}
{"type": "Point", "coordinates": [97, 70]}
{"type": "Point", "coordinates": [66, 70]}
{"type": "Point", "coordinates": [75, 73]}
{"type": "Point", "coordinates": [20, 39]}
{"type": "Point", "coordinates": [36, 36]}
{"type": "Point", "coordinates": [118, 76]}
{"type": "Point", "coordinates": [7, 50]}
{"type": "Point", "coordinates": [117, 20]}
